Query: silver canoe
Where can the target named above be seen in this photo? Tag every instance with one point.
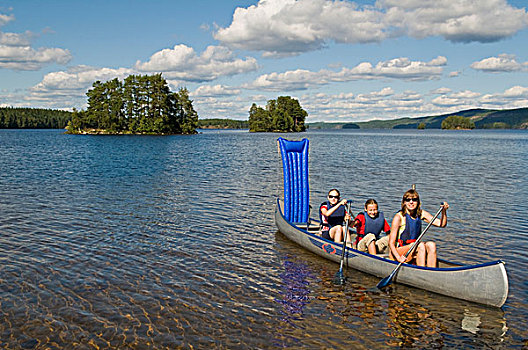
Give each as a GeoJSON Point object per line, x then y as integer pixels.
{"type": "Point", "coordinates": [485, 283]}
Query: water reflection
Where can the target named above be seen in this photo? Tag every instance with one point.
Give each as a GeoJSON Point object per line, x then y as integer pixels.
{"type": "Point", "coordinates": [294, 291]}
{"type": "Point", "coordinates": [400, 316]}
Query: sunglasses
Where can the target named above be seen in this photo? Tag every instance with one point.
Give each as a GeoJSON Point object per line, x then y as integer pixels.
{"type": "Point", "coordinates": [330, 196]}
{"type": "Point", "coordinates": [416, 200]}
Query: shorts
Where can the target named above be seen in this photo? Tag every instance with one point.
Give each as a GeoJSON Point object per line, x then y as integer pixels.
{"type": "Point", "coordinates": [326, 235]}
{"type": "Point", "coordinates": [382, 244]}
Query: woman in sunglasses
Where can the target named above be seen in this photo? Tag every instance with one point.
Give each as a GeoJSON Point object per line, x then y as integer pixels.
{"type": "Point", "coordinates": [407, 226]}
{"type": "Point", "coordinates": [333, 214]}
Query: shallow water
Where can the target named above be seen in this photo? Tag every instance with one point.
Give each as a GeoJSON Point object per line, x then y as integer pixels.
{"type": "Point", "coordinates": [169, 242]}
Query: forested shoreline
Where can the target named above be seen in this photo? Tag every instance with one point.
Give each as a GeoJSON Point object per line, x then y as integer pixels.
{"type": "Point", "coordinates": [33, 118]}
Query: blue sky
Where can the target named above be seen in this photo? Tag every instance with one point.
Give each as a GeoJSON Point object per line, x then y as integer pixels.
{"type": "Point", "coordinates": [343, 60]}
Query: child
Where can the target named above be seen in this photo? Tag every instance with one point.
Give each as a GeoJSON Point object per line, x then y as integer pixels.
{"type": "Point", "coordinates": [333, 213]}
{"type": "Point", "coordinates": [369, 225]}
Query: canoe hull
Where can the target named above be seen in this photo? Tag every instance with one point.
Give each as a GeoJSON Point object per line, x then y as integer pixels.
{"type": "Point", "coordinates": [483, 283]}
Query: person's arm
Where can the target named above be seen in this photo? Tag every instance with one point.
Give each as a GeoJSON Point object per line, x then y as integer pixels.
{"type": "Point", "coordinates": [328, 212]}
{"type": "Point", "coordinates": [396, 222]}
{"type": "Point", "coordinates": [439, 222]}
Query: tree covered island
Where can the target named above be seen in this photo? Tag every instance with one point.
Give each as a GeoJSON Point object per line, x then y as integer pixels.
{"type": "Point", "coordinates": [141, 104]}
{"type": "Point", "coordinates": [284, 114]}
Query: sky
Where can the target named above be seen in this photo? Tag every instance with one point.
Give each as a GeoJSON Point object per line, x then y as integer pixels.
{"type": "Point", "coordinates": [345, 61]}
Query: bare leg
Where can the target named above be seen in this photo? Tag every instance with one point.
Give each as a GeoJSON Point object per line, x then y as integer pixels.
{"type": "Point", "coordinates": [420, 254]}
{"type": "Point", "coordinates": [336, 233]}
{"type": "Point", "coordinates": [431, 254]}
{"type": "Point", "coordinates": [372, 248]}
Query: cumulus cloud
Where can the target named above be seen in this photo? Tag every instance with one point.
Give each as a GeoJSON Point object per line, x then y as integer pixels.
{"type": "Point", "coordinates": [16, 52]}
{"type": "Point", "coordinates": [381, 104]}
{"type": "Point", "coordinates": [69, 87]}
{"type": "Point", "coordinates": [183, 63]}
{"type": "Point", "coordinates": [27, 58]}
{"type": "Point", "coordinates": [514, 97]}
{"type": "Point", "coordinates": [290, 27]}
{"type": "Point", "coordinates": [398, 68]}
{"type": "Point", "coordinates": [502, 63]}
{"type": "Point", "coordinates": [455, 20]}
{"type": "Point", "coordinates": [215, 91]}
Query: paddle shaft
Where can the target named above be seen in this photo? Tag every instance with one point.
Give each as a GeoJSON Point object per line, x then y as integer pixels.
{"type": "Point", "coordinates": [344, 240]}
{"type": "Point", "coordinates": [387, 280]}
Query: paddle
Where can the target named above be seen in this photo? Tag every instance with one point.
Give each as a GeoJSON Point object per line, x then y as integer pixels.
{"type": "Point", "coordinates": [388, 280]}
{"type": "Point", "coordinates": [340, 278]}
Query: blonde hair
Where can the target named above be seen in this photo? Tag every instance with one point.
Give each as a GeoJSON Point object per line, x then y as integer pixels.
{"type": "Point", "coordinates": [412, 193]}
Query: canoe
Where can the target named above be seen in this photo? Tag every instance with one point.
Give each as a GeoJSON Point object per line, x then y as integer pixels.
{"type": "Point", "coordinates": [485, 283]}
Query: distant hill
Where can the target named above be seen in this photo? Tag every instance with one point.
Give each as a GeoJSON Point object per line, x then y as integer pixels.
{"type": "Point", "coordinates": [483, 119]}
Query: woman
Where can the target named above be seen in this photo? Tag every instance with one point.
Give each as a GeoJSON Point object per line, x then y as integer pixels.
{"type": "Point", "coordinates": [333, 214]}
{"type": "Point", "coordinates": [407, 226]}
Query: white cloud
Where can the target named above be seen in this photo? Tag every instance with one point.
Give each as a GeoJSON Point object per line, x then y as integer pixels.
{"type": "Point", "coordinates": [514, 97]}
{"type": "Point", "coordinates": [16, 52]}
{"type": "Point", "coordinates": [500, 64]}
{"type": "Point", "coordinates": [455, 20]}
{"type": "Point", "coordinates": [27, 58]}
{"type": "Point", "coordinates": [4, 19]}
{"type": "Point", "coordinates": [399, 68]}
{"type": "Point", "coordinates": [516, 92]}
{"type": "Point", "coordinates": [441, 91]}
{"type": "Point", "coordinates": [215, 91]}
{"type": "Point", "coordinates": [15, 39]}
{"type": "Point", "coordinates": [290, 27]}
{"type": "Point", "coordinates": [182, 63]}
{"type": "Point", "coordinates": [68, 88]}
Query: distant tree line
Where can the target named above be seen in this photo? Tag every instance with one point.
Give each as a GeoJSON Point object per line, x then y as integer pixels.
{"type": "Point", "coordinates": [33, 118]}
{"type": "Point", "coordinates": [457, 122]}
{"type": "Point", "coordinates": [141, 104]}
{"type": "Point", "coordinates": [284, 114]}
{"type": "Point", "coordinates": [217, 123]}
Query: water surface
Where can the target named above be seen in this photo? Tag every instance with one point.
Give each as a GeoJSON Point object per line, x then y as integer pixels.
{"type": "Point", "coordinates": [148, 242]}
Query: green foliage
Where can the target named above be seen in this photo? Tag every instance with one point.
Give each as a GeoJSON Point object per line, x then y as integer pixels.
{"type": "Point", "coordinates": [33, 118]}
{"type": "Point", "coordinates": [284, 114]}
{"type": "Point", "coordinates": [217, 123]}
{"type": "Point", "coordinates": [457, 122]}
{"type": "Point", "coordinates": [421, 126]}
{"type": "Point", "coordinates": [495, 125]}
{"type": "Point", "coordinates": [142, 104]}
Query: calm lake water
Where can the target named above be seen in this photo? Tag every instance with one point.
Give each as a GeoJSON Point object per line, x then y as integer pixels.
{"type": "Point", "coordinates": [148, 242]}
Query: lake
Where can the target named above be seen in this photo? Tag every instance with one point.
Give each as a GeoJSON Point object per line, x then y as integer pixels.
{"type": "Point", "coordinates": [146, 242]}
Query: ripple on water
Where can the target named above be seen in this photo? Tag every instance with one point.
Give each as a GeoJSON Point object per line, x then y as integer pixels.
{"type": "Point", "coordinates": [152, 242]}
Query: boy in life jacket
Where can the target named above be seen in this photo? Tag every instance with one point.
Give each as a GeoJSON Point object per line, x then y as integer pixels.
{"type": "Point", "coordinates": [333, 214]}
{"type": "Point", "coordinates": [369, 225]}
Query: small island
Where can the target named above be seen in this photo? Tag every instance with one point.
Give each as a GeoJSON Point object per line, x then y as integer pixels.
{"type": "Point", "coordinates": [457, 122]}
{"type": "Point", "coordinates": [141, 104]}
{"type": "Point", "coordinates": [284, 114]}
